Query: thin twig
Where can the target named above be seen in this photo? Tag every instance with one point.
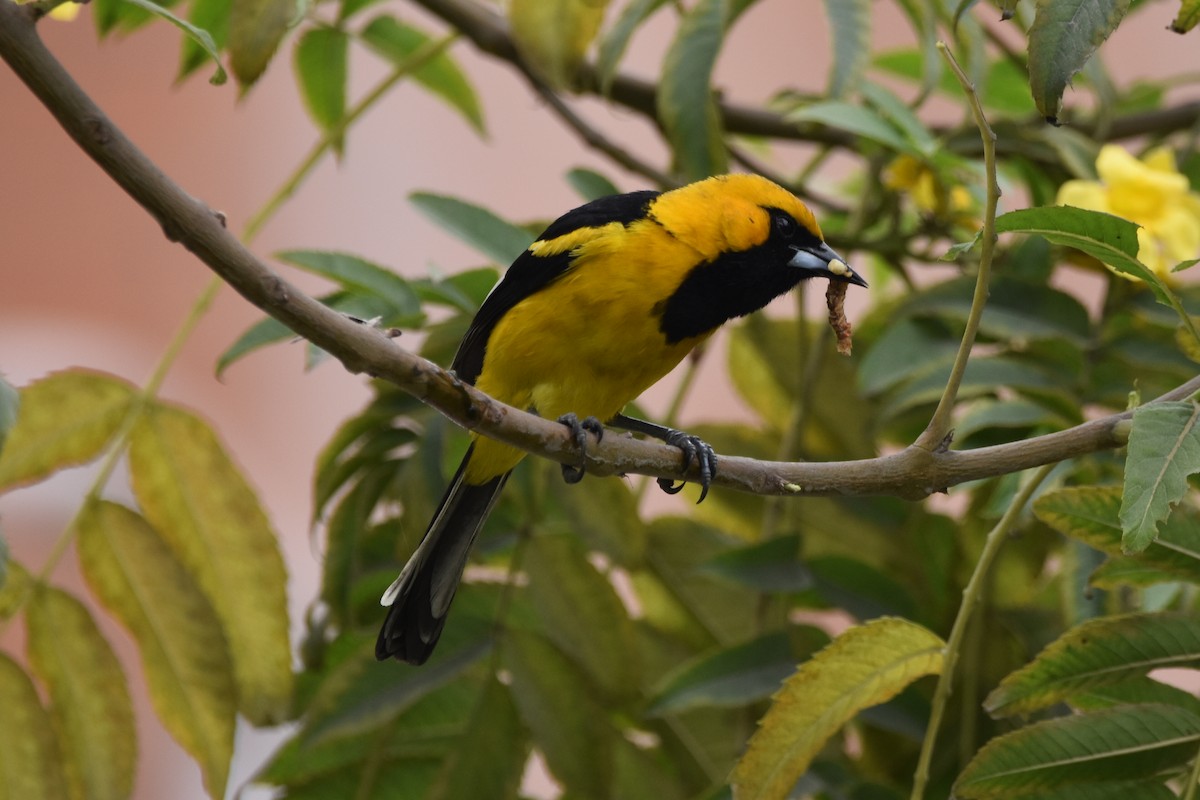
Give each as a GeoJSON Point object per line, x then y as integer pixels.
{"type": "Point", "coordinates": [490, 33]}
{"type": "Point", "coordinates": [971, 596]}
{"type": "Point", "coordinates": [404, 69]}
{"type": "Point", "coordinates": [598, 141]}
{"type": "Point", "coordinates": [935, 434]}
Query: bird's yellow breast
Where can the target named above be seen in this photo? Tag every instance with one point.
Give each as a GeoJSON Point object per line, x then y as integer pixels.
{"type": "Point", "coordinates": [590, 343]}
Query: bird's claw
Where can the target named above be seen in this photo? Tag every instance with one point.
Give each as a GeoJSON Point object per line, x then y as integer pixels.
{"type": "Point", "coordinates": [579, 431]}
{"type": "Point", "coordinates": [694, 449]}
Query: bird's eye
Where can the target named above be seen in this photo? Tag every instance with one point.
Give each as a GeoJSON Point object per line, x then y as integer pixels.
{"type": "Point", "coordinates": [785, 226]}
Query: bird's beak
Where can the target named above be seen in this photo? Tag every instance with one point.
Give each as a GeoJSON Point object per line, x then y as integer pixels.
{"type": "Point", "coordinates": [821, 261]}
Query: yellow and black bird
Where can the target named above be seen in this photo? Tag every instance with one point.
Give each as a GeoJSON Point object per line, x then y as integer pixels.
{"type": "Point", "coordinates": [607, 301]}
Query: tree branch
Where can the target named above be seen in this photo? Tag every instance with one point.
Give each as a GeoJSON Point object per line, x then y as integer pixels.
{"type": "Point", "coordinates": [912, 473]}
{"type": "Point", "coordinates": [489, 33]}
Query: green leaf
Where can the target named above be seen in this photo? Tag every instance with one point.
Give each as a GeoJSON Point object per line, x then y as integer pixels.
{"type": "Point", "coordinates": [850, 26]}
{"type": "Point", "coordinates": [770, 566]}
{"type": "Point", "coordinates": [1017, 309]}
{"type": "Point", "coordinates": [270, 331]}
{"type": "Point", "coordinates": [553, 36]}
{"type": "Point", "coordinates": [590, 184]}
{"type": "Point", "coordinates": [1164, 449]}
{"type": "Point", "coordinates": [859, 588]}
{"type": "Point", "coordinates": [613, 45]}
{"type": "Point", "coordinates": [865, 666]}
{"type": "Point", "coordinates": [906, 350]}
{"type": "Point", "coordinates": [363, 693]}
{"type": "Point", "coordinates": [729, 677]}
{"type": "Point", "coordinates": [1095, 653]}
{"type": "Point", "coordinates": [89, 698]}
{"type": "Point", "coordinates": [201, 37]}
{"type": "Point", "coordinates": [30, 764]}
{"type": "Point", "coordinates": [1107, 238]}
{"type": "Point", "coordinates": [199, 502]}
{"type": "Point", "coordinates": [496, 238]}
{"type": "Point", "coordinates": [184, 655]}
{"type": "Point", "coordinates": [687, 109]}
{"type": "Point", "coordinates": [1119, 743]}
{"type": "Point", "coordinates": [898, 113]}
{"type": "Point", "coordinates": [399, 758]}
{"type": "Point", "coordinates": [857, 120]}
{"type": "Point", "coordinates": [1090, 515]}
{"type": "Point", "coordinates": [1148, 789]}
{"type": "Point", "coordinates": [358, 275]}
{"type": "Point", "coordinates": [212, 17]}
{"type": "Point", "coordinates": [15, 588]}
{"type": "Point", "coordinates": [400, 43]}
{"type": "Point", "coordinates": [758, 346]}
{"type": "Point", "coordinates": [10, 403]}
{"type": "Point", "coordinates": [581, 613]}
{"type": "Point", "coordinates": [677, 596]}
{"type": "Point", "coordinates": [982, 377]}
{"type": "Point", "coordinates": [1062, 38]}
{"type": "Point", "coordinates": [1016, 413]}
{"type": "Point", "coordinates": [256, 27]}
{"type": "Point", "coordinates": [1135, 690]}
{"type": "Point", "coordinates": [568, 723]}
{"type": "Point", "coordinates": [66, 419]}
{"type": "Point", "coordinates": [604, 515]}
{"type": "Point", "coordinates": [1188, 16]}
{"type": "Point", "coordinates": [489, 759]}
{"type": "Point", "coordinates": [322, 72]}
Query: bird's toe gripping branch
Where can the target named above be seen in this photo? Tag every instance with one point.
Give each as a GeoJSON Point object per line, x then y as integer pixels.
{"type": "Point", "coordinates": [579, 431]}
{"type": "Point", "coordinates": [694, 449]}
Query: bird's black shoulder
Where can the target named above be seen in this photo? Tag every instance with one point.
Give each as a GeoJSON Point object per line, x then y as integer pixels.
{"type": "Point", "coordinates": [622, 208]}
{"type": "Point", "coordinates": [531, 273]}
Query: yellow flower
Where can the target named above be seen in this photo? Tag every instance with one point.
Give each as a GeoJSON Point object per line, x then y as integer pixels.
{"type": "Point", "coordinates": [65, 12]}
{"type": "Point", "coordinates": [1150, 192]}
{"type": "Point", "coordinates": [928, 194]}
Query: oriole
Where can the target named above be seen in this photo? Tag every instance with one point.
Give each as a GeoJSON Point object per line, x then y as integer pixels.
{"type": "Point", "coordinates": [607, 301]}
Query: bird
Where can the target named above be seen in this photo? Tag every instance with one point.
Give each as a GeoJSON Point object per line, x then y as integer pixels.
{"type": "Point", "coordinates": [606, 301]}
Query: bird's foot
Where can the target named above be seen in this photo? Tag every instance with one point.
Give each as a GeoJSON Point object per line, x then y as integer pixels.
{"type": "Point", "coordinates": [694, 449]}
{"type": "Point", "coordinates": [579, 431]}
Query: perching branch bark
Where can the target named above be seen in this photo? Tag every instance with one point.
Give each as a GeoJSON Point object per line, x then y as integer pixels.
{"type": "Point", "coordinates": [912, 473]}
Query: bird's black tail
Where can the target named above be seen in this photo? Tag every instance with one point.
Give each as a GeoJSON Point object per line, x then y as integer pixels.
{"type": "Point", "coordinates": [420, 597]}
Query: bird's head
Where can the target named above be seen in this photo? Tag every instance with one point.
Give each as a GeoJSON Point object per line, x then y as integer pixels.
{"type": "Point", "coordinates": [748, 214]}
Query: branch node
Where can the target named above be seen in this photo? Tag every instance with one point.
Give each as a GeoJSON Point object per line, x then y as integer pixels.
{"type": "Point", "coordinates": [98, 130]}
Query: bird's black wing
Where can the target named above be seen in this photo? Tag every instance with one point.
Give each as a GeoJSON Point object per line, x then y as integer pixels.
{"type": "Point", "coordinates": [530, 273]}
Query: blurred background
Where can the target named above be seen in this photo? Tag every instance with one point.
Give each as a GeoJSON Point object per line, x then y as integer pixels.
{"type": "Point", "coordinates": [88, 279]}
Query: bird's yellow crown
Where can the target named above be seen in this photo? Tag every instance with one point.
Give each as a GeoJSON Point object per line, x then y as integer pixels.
{"type": "Point", "coordinates": [737, 204]}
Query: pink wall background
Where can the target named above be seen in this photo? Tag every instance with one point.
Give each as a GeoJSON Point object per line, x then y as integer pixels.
{"type": "Point", "coordinates": [87, 279]}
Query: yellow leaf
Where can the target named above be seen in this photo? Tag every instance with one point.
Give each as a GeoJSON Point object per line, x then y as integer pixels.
{"type": "Point", "coordinates": [198, 501]}
{"type": "Point", "coordinates": [255, 29]}
{"type": "Point", "coordinates": [89, 698]}
{"type": "Point", "coordinates": [1188, 16]}
{"type": "Point", "coordinates": [863, 667]}
{"type": "Point", "coordinates": [12, 592]}
{"type": "Point", "coordinates": [65, 420]}
{"type": "Point", "coordinates": [184, 654]}
{"type": "Point", "coordinates": [30, 765]}
{"type": "Point", "coordinates": [554, 35]}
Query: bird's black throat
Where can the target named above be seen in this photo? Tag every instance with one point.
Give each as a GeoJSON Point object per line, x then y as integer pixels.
{"type": "Point", "coordinates": [732, 285]}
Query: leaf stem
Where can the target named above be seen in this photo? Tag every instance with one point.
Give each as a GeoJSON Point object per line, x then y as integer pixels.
{"type": "Point", "coordinates": [934, 435]}
{"type": "Point", "coordinates": [1189, 791]}
{"type": "Point", "coordinates": [972, 594]}
{"type": "Point", "coordinates": [418, 59]}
